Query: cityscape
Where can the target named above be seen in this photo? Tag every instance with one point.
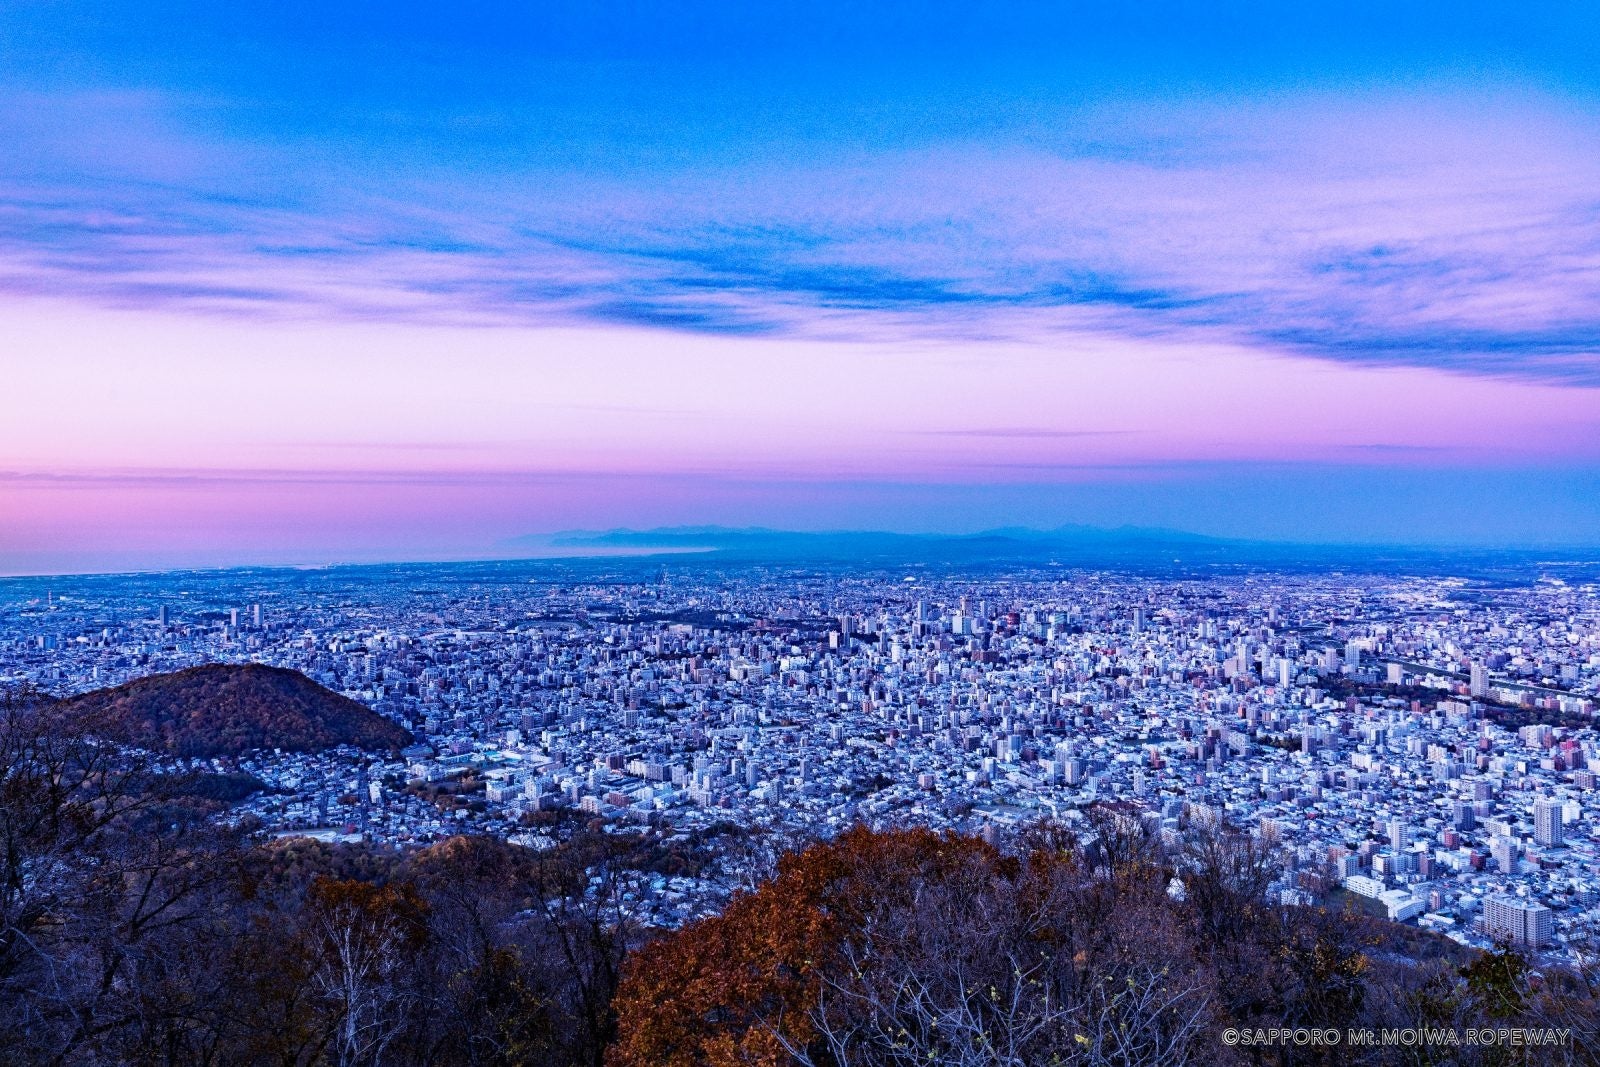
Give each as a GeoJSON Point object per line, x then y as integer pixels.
{"type": "Point", "coordinates": [1426, 744]}
{"type": "Point", "coordinates": [687, 533]}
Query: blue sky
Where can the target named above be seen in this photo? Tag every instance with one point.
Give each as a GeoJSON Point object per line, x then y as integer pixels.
{"type": "Point", "coordinates": [1322, 238]}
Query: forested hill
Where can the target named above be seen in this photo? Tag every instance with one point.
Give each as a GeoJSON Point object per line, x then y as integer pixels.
{"type": "Point", "coordinates": [227, 709]}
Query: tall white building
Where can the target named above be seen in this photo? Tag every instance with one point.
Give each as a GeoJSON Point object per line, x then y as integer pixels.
{"type": "Point", "coordinates": [1547, 823]}
{"type": "Point", "coordinates": [1521, 922]}
{"type": "Point", "coordinates": [1480, 680]}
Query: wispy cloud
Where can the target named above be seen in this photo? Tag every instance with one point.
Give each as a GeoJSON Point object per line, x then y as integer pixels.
{"type": "Point", "coordinates": [1024, 433]}
{"type": "Point", "coordinates": [1411, 235]}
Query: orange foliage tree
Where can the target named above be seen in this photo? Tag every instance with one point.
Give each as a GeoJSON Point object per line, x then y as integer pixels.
{"type": "Point", "coordinates": [742, 987]}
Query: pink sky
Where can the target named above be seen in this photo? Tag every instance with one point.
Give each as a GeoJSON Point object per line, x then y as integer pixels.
{"type": "Point", "coordinates": [213, 439]}
{"type": "Point", "coordinates": [96, 390]}
{"type": "Point", "coordinates": [222, 348]}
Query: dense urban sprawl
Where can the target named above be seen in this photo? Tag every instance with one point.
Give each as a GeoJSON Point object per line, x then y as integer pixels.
{"type": "Point", "coordinates": [1424, 746]}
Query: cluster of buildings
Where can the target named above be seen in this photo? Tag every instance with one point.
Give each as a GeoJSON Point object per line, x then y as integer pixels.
{"type": "Point", "coordinates": [1425, 746]}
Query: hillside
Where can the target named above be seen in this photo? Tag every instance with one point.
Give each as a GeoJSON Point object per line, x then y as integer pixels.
{"type": "Point", "coordinates": [225, 710]}
{"type": "Point", "coordinates": [906, 946]}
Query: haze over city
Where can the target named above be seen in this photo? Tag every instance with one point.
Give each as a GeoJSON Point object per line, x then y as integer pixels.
{"type": "Point", "coordinates": [301, 286]}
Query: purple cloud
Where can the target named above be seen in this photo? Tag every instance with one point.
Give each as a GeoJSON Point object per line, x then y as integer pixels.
{"type": "Point", "coordinates": [1418, 233]}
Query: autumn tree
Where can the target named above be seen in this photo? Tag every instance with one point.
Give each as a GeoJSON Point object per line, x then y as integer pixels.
{"type": "Point", "coordinates": [365, 941]}
{"type": "Point", "coordinates": [909, 946]}
{"type": "Point", "coordinates": [103, 875]}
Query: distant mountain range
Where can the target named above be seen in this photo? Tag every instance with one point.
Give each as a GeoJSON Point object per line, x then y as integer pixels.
{"type": "Point", "coordinates": [1129, 547]}
{"type": "Point", "coordinates": [761, 541]}
{"type": "Point", "coordinates": [227, 710]}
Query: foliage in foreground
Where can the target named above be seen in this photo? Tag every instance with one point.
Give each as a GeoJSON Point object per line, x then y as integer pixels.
{"type": "Point", "coordinates": [910, 947]}
{"type": "Point", "coordinates": [134, 931]}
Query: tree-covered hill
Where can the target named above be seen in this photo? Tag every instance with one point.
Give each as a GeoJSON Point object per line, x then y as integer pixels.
{"type": "Point", "coordinates": [226, 710]}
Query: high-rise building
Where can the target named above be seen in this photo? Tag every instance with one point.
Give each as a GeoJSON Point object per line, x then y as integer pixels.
{"type": "Point", "coordinates": [1525, 923]}
{"type": "Point", "coordinates": [161, 614]}
{"type": "Point", "coordinates": [1480, 680]}
{"type": "Point", "coordinates": [1504, 851]}
{"type": "Point", "coordinates": [1399, 835]}
{"type": "Point", "coordinates": [1547, 823]}
{"type": "Point", "coordinates": [1537, 735]}
{"type": "Point", "coordinates": [1076, 771]}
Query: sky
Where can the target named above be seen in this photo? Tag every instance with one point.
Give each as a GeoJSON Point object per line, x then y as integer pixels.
{"type": "Point", "coordinates": [304, 283]}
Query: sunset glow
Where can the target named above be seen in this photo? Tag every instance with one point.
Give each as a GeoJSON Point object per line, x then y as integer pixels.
{"type": "Point", "coordinates": [712, 266]}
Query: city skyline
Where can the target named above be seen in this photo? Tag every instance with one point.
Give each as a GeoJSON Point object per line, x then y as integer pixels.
{"type": "Point", "coordinates": [278, 287]}
{"type": "Point", "coordinates": [1424, 743]}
